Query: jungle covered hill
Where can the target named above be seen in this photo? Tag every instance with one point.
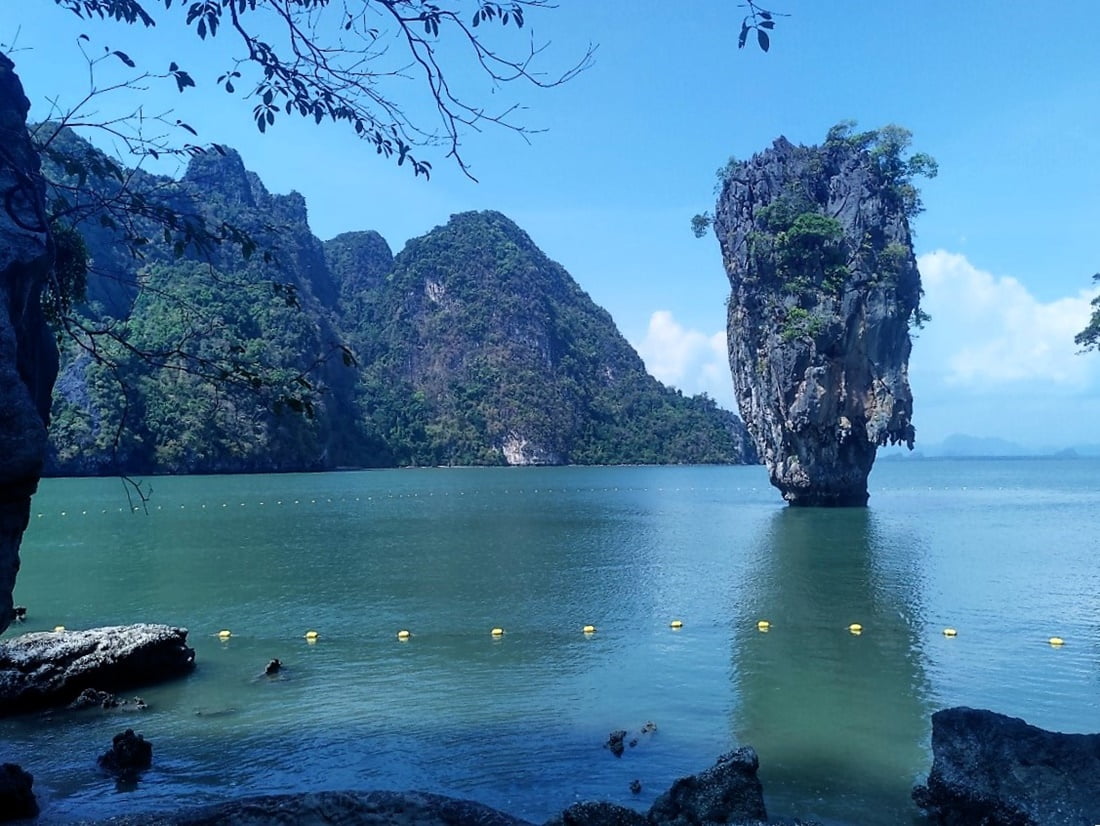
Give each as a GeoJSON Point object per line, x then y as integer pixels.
{"type": "Point", "coordinates": [259, 348]}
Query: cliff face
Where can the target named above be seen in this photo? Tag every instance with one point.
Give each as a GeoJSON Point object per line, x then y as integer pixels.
{"type": "Point", "coordinates": [28, 358]}
{"type": "Point", "coordinates": [824, 287]}
{"type": "Point", "coordinates": [471, 347]}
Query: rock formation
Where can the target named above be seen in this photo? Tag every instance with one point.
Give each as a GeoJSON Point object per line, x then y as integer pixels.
{"type": "Point", "coordinates": [999, 771]}
{"type": "Point", "coordinates": [49, 668]}
{"type": "Point", "coordinates": [129, 755]}
{"type": "Point", "coordinates": [28, 356]}
{"type": "Point", "coordinates": [824, 287]}
{"type": "Point", "coordinates": [16, 794]}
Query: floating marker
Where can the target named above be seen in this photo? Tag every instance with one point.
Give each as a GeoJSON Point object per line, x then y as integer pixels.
{"type": "Point", "coordinates": [676, 624]}
{"type": "Point", "coordinates": [224, 634]}
{"type": "Point", "coordinates": [403, 634]}
{"type": "Point", "coordinates": [589, 629]}
{"type": "Point", "coordinates": [1057, 642]}
{"type": "Point", "coordinates": [950, 632]}
{"type": "Point", "coordinates": [497, 632]}
{"type": "Point", "coordinates": [855, 628]}
{"type": "Point", "coordinates": [312, 636]}
{"type": "Point", "coordinates": [58, 629]}
{"type": "Point", "coordinates": [763, 625]}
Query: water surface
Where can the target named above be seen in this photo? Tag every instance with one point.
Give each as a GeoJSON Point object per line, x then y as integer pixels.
{"type": "Point", "coordinates": [1004, 551]}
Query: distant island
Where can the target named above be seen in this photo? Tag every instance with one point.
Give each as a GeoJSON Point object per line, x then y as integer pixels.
{"type": "Point", "coordinates": [959, 445]}
{"type": "Point", "coordinates": [274, 351]}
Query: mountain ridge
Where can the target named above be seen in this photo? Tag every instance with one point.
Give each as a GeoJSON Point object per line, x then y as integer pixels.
{"type": "Point", "coordinates": [470, 346]}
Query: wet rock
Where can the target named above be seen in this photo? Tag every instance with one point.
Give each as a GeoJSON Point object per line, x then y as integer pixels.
{"type": "Point", "coordinates": [728, 792]}
{"type": "Point", "coordinates": [19, 613]}
{"type": "Point", "coordinates": [129, 755]}
{"type": "Point", "coordinates": [598, 814]}
{"type": "Point", "coordinates": [635, 786]}
{"type": "Point", "coordinates": [16, 796]}
{"type": "Point", "coordinates": [615, 742]}
{"type": "Point", "coordinates": [273, 667]}
{"type": "Point", "coordinates": [335, 809]}
{"type": "Point", "coordinates": [999, 771]}
{"type": "Point", "coordinates": [94, 698]}
{"type": "Point", "coordinates": [44, 669]}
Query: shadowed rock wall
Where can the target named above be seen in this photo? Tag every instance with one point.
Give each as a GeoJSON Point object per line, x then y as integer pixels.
{"type": "Point", "coordinates": [28, 355]}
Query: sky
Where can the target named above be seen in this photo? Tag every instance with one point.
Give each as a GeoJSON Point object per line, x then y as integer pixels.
{"type": "Point", "coordinates": [1005, 95]}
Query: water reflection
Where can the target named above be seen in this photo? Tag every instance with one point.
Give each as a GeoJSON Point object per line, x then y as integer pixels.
{"type": "Point", "coordinates": [839, 720]}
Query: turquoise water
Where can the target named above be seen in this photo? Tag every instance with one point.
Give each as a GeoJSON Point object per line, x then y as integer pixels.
{"type": "Point", "coordinates": [1003, 551]}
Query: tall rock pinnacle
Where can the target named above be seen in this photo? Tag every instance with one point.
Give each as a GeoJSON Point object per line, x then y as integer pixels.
{"type": "Point", "coordinates": [824, 288]}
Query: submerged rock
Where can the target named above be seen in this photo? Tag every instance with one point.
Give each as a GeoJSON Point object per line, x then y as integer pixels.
{"type": "Point", "coordinates": [598, 814]}
{"type": "Point", "coordinates": [999, 771]}
{"type": "Point", "coordinates": [50, 668]}
{"type": "Point", "coordinates": [824, 288]}
{"type": "Point", "coordinates": [16, 794]}
{"type": "Point", "coordinates": [129, 755]}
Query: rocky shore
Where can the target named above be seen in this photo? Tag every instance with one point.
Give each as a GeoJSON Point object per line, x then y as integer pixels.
{"type": "Point", "coordinates": [988, 769]}
{"type": "Point", "coordinates": [51, 668]}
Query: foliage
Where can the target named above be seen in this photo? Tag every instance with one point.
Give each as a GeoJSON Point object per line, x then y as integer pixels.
{"type": "Point", "coordinates": [338, 62]}
{"type": "Point", "coordinates": [68, 282]}
{"type": "Point", "coordinates": [887, 147]}
{"type": "Point", "coordinates": [801, 323]}
{"type": "Point", "coordinates": [471, 339]}
{"type": "Point", "coordinates": [1089, 338]}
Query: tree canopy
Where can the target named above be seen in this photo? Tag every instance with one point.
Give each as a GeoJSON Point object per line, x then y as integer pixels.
{"type": "Point", "coordinates": [346, 63]}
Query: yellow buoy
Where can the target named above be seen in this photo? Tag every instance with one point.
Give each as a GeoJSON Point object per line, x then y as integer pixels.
{"type": "Point", "coordinates": [497, 632]}
{"type": "Point", "coordinates": [403, 634]}
{"type": "Point", "coordinates": [855, 628]}
{"type": "Point", "coordinates": [763, 625]}
{"type": "Point", "coordinates": [950, 632]}
{"type": "Point", "coordinates": [224, 635]}
{"type": "Point", "coordinates": [676, 624]}
{"type": "Point", "coordinates": [312, 635]}
{"type": "Point", "coordinates": [58, 629]}
{"type": "Point", "coordinates": [589, 629]}
{"type": "Point", "coordinates": [1057, 641]}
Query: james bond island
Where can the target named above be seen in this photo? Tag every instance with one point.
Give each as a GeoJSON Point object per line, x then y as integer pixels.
{"type": "Point", "coordinates": [824, 290]}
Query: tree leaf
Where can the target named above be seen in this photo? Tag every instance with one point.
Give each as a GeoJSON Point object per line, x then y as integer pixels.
{"type": "Point", "coordinates": [125, 58]}
{"type": "Point", "coordinates": [762, 39]}
{"type": "Point", "coordinates": [744, 36]}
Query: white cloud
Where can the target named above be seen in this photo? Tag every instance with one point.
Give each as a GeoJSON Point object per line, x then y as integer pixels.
{"type": "Point", "coordinates": [990, 332]}
{"type": "Point", "coordinates": [692, 361]}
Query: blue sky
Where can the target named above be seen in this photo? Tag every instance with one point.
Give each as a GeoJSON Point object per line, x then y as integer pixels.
{"type": "Point", "coordinates": [1006, 96]}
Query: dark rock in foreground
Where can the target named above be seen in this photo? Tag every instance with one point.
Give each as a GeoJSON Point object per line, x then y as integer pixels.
{"type": "Point", "coordinates": [129, 755]}
{"type": "Point", "coordinates": [728, 792]}
{"type": "Point", "coordinates": [16, 797]}
{"type": "Point", "coordinates": [599, 814]}
{"type": "Point", "coordinates": [51, 668]}
{"type": "Point", "coordinates": [335, 809]}
{"type": "Point", "coordinates": [995, 770]}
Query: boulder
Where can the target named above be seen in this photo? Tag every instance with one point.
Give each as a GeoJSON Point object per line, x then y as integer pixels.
{"type": "Point", "coordinates": [728, 792]}
{"type": "Point", "coordinates": [51, 668]}
{"type": "Point", "coordinates": [16, 797]}
{"type": "Point", "coordinates": [994, 770]}
{"type": "Point", "coordinates": [129, 755]}
{"type": "Point", "coordinates": [598, 814]}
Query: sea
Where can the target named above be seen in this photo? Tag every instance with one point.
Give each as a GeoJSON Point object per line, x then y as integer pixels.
{"type": "Point", "coordinates": [673, 567]}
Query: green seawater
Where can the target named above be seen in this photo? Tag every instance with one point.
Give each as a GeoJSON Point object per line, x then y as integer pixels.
{"type": "Point", "coordinates": [1006, 552]}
